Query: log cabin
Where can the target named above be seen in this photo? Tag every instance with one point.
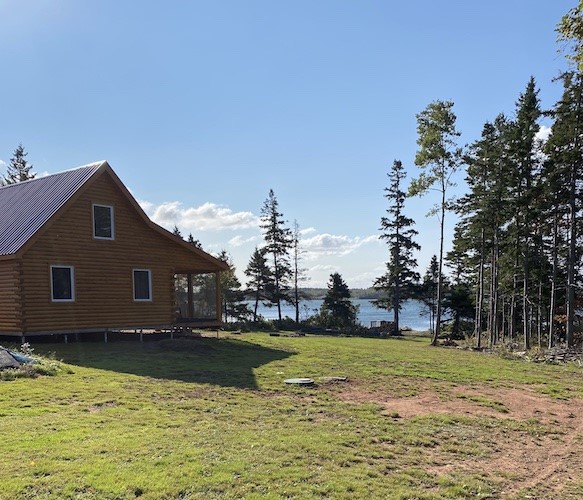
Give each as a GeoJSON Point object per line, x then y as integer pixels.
{"type": "Point", "coordinates": [78, 254]}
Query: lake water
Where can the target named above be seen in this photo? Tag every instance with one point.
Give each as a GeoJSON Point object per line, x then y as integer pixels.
{"type": "Point", "coordinates": [411, 315]}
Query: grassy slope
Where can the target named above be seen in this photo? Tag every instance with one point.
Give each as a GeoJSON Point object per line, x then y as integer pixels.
{"type": "Point", "coordinates": [208, 418]}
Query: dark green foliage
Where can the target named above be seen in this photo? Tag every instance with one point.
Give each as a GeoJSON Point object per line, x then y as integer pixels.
{"type": "Point", "coordinates": [232, 297]}
{"type": "Point", "coordinates": [18, 169]}
{"type": "Point", "coordinates": [278, 244]}
{"type": "Point", "coordinates": [399, 281]}
{"type": "Point", "coordinates": [337, 311]}
{"type": "Point", "coordinates": [260, 281]}
{"type": "Point", "coordinates": [193, 242]}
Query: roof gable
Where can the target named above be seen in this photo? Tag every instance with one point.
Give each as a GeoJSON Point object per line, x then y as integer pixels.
{"type": "Point", "coordinates": [27, 206]}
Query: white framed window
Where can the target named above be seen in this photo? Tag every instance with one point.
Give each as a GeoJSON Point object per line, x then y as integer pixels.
{"type": "Point", "coordinates": [103, 223]}
{"type": "Point", "coordinates": [62, 283]}
{"type": "Point", "coordinates": [142, 285]}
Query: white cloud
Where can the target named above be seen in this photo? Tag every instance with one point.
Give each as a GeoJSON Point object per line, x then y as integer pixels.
{"type": "Point", "coordinates": [329, 244]}
{"type": "Point", "coordinates": [206, 217]}
{"type": "Point", "coordinates": [239, 241]}
{"type": "Point", "coordinates": [308, 230]}
{"type": "Point", "coordinates": [146, 205]}
{"type": "Point", "coordinates": [321, 267]}
{"type": "Point", "coordinates": [543, 133]}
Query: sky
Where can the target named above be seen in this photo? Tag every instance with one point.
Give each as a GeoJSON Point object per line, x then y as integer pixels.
{"type": "Point", "coordinates": [202, 107]}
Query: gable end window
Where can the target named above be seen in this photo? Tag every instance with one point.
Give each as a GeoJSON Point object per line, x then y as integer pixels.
{"type": "Point", "coordinates": [62, 284]}
{"type": "Point", "coordinates": [103, 226]}
{"type": "Point", "coordinates": [142, 285]}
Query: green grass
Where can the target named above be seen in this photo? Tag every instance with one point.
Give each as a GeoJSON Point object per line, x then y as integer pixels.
{"type": "Point", "coordinates": [213, 419]}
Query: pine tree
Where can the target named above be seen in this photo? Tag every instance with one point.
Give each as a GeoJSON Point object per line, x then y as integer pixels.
{"type": "Point", "coordinates": [439, 157]}
{"type": "Point", "coordinates": [259, 278]}
{"type": "Point", "coordinates": [565, 157]}
{"type": "Point", "coordinates": [278, 243]}
{"type": "Point", "coordinates": [522, 149]}
{"type": "Point", "coordinates": [192, 241]}
{"type": "Point", "coordinates": [18, 169]}
{"type": "Point", "coordinates": [176, 231]}
{"type": "Point", "coordinates": [427, 291]}
{"type": "Point", "coordinates": [337, 311]}
{"type": "Point", "coordinates": [484, 214]}
{"type": "Point", "coordinates": [232, 296]}
{"type": "Point", "coordinates": [399, 282]}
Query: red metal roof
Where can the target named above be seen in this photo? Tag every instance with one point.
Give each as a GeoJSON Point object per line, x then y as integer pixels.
{"type": "Point", "coordinates": [26, 206]}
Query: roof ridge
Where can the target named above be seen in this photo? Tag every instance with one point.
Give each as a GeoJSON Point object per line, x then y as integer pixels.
{"type": "Point", "coordinates": [95, 165]}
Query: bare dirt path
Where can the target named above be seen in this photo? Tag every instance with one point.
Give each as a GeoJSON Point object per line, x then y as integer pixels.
{"type": "Point", "coordinates": [521, 462]}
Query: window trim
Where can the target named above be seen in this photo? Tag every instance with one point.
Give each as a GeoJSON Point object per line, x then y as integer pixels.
{"type": "Point", "coordinates": [72, 278]}
{"type": "Point", "coordinates": [149, 271]}
{"type": "Point", "coordinates": [111, 211]}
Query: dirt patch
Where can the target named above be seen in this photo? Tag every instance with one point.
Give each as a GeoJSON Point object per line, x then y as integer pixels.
{"type": "Point", "coordinates": [521, 462]}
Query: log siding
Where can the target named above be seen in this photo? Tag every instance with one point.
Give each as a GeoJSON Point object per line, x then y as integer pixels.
{"type": "Point", "coordinates": [104, 290]}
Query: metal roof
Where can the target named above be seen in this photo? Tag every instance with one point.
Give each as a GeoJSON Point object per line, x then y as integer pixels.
{"type": "Point", "coordinates": [26, 206]}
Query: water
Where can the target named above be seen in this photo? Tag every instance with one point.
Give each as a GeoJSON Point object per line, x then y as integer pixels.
{"type": "Point", "coordinates": [411, 315]}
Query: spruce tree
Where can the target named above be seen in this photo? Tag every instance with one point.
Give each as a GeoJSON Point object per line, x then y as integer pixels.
{"type": "Point", "coordinates": [565, 157]}
{"type": "Point", "coordinates": [18, 169]}
{"type": "Point", "coordinates": [427, 291]}
{"type": "Point", "coordinates": [259, 278]}
{"type": "Point", "coordinates": [278, 244]}
{"type": "Point", "coordinates": [337, 311]}
{"type": "Point", "coordinates": [232, 296]}
{"type": "Point", "coordinates": [399, 281]}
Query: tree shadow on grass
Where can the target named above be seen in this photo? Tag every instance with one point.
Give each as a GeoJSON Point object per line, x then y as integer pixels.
{"type": "Point", "coordinates": [224, 362]}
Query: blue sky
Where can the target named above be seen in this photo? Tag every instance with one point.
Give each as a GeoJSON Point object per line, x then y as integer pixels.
{"type": "Point", "coordinates": [202, 107]}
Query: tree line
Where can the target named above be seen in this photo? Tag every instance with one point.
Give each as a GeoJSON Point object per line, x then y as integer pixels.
{"type": "Point", "coordinates": [515, 267]}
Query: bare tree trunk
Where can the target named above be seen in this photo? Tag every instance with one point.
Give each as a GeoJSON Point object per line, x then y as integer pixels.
{"type": "Point", "coordinates": [554, 282]}
{"type": "Point", "coordinates": [480, 296]}
{"type": "Point", "coordinates": [440, 274]}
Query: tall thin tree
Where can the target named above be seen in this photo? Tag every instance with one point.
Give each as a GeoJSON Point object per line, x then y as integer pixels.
{"type": "Point", "coordinates": [439, 157]}
{"type": "Point", "coordinates": [278, 243]}
{"type": "Point", "coordinates": [399, 281]}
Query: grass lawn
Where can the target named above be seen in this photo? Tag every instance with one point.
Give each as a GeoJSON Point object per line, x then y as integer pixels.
{"type": "Point", "coordinates": [212, 418]}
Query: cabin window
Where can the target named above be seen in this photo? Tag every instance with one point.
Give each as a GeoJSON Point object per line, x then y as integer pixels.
{"type": "Point", "coordinates": [62, 284]}
{"type": "Point", "coordinates": [103, 222]}
{"type": "Point", "coordinates": [142, 285]}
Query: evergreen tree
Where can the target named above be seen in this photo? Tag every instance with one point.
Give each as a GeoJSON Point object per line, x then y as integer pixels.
{"type": "Point", "coordinates": [399, 282]}
{"type": "Point", "coordinates": [427, 291]}
{"type": "Point", "coordinates": [278, 243]}
{"type": "Point", "coordinates": [176, 231]}
{"type": "Point", "coordinates": [525, 165]}
{"type": "Point", "coordinates": [18, 169]}
{"type": "Point", "coordinates": [484, 215]}
{"type": "Point", "coordinates": [439, 157]}
{"type": "Point", "coordinates": [192, 241]}
{"type": "Point", "coordinates": [259, 278]}
{"type": "Point", "coordinates": [337, 311]}
{"type": "Point", "coordinates": [232, 296]}
{"type": "Point", "coordinates": [565, 157]}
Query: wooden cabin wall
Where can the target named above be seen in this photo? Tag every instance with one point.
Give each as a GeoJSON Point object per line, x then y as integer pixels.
{"type": "Point", "coordinates": [103, 268]}
{"type": "Point", "coordinates": [10, 311]}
